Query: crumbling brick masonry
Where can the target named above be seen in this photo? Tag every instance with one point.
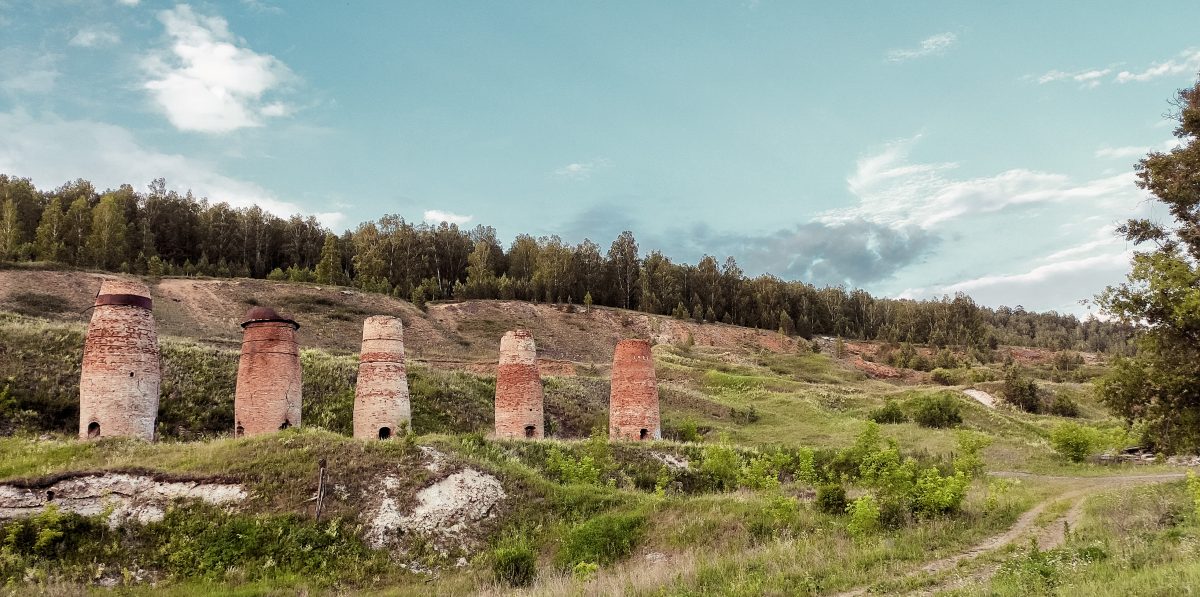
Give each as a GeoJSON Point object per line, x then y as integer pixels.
{"type": "Point", "coordinates": [519, 400]}
{"type": "Point", "coordinates": [633, 401]}
{"type": "Point", "coordinates": [381, 401]}
{"type": "Point", "coordinates": [268, 381]}
{"type": "Point", "coordinates": [118, 389]}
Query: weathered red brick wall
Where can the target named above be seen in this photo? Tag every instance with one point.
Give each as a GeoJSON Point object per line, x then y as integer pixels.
{"type": "Point", "coordinates": [633, 401]}
{"type": "Point", "coordinates": [519, 400]}
{"type": "Point", "coordinates": [118, 390]}
{"type": "Point", "coordinates": [268, 381]}
{"type": "Point", "coordinates": [381, 400]}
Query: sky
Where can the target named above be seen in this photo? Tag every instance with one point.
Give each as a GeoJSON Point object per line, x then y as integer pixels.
{"type": "Point", "coordinates": [911, 149]}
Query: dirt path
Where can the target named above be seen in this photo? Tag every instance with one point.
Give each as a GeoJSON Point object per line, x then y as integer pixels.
{"type": "Point", "coordinates": [1048, 536]}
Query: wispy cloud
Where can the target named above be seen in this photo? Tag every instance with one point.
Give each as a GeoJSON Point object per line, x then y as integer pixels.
{"type": "Point", "coordinates": [23, 72]}
{"type": "Point", "coordinates": [1135, 151]}
{"type": "Point", "coordinates": [95, 36]}
{"type": "Point", "coordinates": [582, 170]}
{"type": "Point", "coordinates": [1062, 282]}
{"type": "Point", "coordinates": [208, 81]}
{"type": "Point", "coordinates": [52, 150]}
{"type": "Point", "coordinates": [129, 2]}
{"type": "Point", "coordinates": [262, 7]}
{"type": "Point", "coordinates": [1088, 79]}
{"type": "Point", "coordinates": [1128, 151]}
{"type": "Point", "coordinates": [934, 44]}
{"type": "Point", "coordinates": [1187, 62]}
{"type": "Point", "coordinates": [437, 216]}
{"type": "Point", "coordinates": [895, 191]}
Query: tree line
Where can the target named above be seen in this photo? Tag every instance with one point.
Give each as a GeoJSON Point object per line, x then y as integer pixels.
{"type": "Point", "coordinates": [161, 232]}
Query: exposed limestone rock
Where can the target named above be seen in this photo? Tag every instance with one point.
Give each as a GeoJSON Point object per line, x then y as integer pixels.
{"type": "Point", "coordinates": [131, 497]}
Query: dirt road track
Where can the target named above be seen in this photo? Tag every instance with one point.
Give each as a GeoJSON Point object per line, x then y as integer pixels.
{"type": "Point", "coordinates": [1049, 536]}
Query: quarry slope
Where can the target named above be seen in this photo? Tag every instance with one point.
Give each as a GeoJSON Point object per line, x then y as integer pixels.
{"type": "Point", "coordinates": [464, 334]}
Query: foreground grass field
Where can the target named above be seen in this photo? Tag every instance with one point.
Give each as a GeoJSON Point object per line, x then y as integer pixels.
{"type": "Point", "coordinates": [775, 480]}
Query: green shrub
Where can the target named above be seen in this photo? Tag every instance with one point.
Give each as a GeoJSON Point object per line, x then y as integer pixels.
{"type": "Point", "coordinates": [890, 412]}
{"type": "Point", "coordinates": [1193, 489]}
{"type": "Point", "coordinates": [831, 498]}
{"type": "Point", "coordinates": [762, 471]}
{"type": "Point", "coordinates": [584, 571]}
{"type": "Point", "coordinates": [566, 469]}
{"type": "Point", "coordinates": [1075, 442]}
{"type": "Point", "coordinates": [864, 517]}
{"type": "Point", "coordinates": [49, 534]}
{"type": "Point", "coordinates": [945, 377]}
{"type": "Point", "coordinates": [767, 522]}
{"type": "Point", "coordinates": [514, 563]}
{"type": "Point", "coordinates": [1063, 406]}
{"type": "Point", "coordinates": [936, 494]}
{"type": "Point", "coordinates": [945, 359]}
{"type": "Point", "coordinates": [602, 540]}
{"type": "Point", "coordinates": [720, 465]}
{"type": "Point", "coordinates": [937, 411]}
{"type": "Point", "coordinates": [1020, 391]}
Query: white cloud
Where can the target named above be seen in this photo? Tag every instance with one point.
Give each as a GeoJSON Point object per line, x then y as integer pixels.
{"type": "Point", "coordinates": [1063, 283]}
{"type": "Point", "coordinates": [582, 170]}
{"type": "Point", "coordinates": [437, 216]}
{"type": "Point", "coordinates": [935, 44]}
{"type": "Point", "coordinates": [1088, 78]}
{"type": "Point", "coordinates": [51, 151]}
{"type": "Point", "coordinates": [91, 37]}
{"type": "Point", "coordinates": [129, 2]}
{"type": "Point", "coordinates": [208, 81]}
{"type": "Point", "coordinates": [1187, 62]}
{"type": "Point", "coordinates": [892, 190]}
{"type": "Point", "coordinates": [263, 7]}
{"type": "Point", "coordinates": [1135, 151]}
{"type": "Point", "coordinates": [1128, 151]}
{"type": "Point", "coordinates": [22, 72]}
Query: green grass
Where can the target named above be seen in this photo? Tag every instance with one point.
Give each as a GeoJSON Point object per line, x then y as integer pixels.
{"type": "Point", "coordinates": [720, 540]}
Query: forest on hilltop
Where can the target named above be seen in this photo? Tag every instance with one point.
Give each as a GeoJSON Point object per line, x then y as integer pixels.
{"type": "Point", "coordinates": [161, 232]}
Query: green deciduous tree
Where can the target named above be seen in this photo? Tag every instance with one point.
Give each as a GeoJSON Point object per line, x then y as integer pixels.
{"type": "Point", "coordinates": [106, 244]}
{"type": "Point", "coordinates": [1160, 386]}
{"type": "Point", "coordinates": [329, 269]}
{"type": "Point", "coordinates": [49, 243]}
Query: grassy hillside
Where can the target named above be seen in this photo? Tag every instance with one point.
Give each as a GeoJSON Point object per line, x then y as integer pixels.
{"type": "Point", "coordinates": [773, 478]}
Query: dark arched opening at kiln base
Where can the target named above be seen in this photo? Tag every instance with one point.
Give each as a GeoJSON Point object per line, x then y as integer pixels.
{"type": "Point", "coordinates": [643, 434]}
{"type": "Point", "coordinates": [239, 432]}
{"type": "Point", "coordinates": [93, 429]}
{"type": "Point", "coordinates": [385, 433]}
{"type": "Point", "coordinates": [529, 430]}
{"type": "Point", "coordinates": [285, 425]}
{"type": "Point", "coordinates": [50, 496]}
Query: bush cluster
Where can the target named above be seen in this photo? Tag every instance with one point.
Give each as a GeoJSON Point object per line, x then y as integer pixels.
{"type": "Point", "coordinates": [889, 413]}
{"type": "Point", "coordinates": [602, 540]}
{"type": "Point", "coordinates": [937, 411]}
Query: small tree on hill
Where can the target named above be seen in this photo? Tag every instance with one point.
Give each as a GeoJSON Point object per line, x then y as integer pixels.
{"type": "Point", "coordinates": [329, 269]}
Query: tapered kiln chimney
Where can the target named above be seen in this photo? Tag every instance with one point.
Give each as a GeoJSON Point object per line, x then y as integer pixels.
{"type": "Point", "coordinates": [381, 404]}
{"type": "Point", "coordinates": [268, 381]}
{"type": "Point", "coordinates": [518, 388]}
{"type": "Point", "coordinates": [118, 390]}
{"type": "Point", "coordinates": [633, 402]}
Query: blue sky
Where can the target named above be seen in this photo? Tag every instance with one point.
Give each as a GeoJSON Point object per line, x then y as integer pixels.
{"type": "Point", "coordinates": [911, 149]}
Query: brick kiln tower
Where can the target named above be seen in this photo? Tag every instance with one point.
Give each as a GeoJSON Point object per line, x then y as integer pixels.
{"type": "Point", "coordinates": [118, 390]}
{"type": "Point", "coordinates": [381, 403]}
{"type": "Point", "coordinates": [633, 402]}
{"type": "Point", "coordinates": [518, 388]}
{"type": "Point", "coordinates": [268, 380]}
